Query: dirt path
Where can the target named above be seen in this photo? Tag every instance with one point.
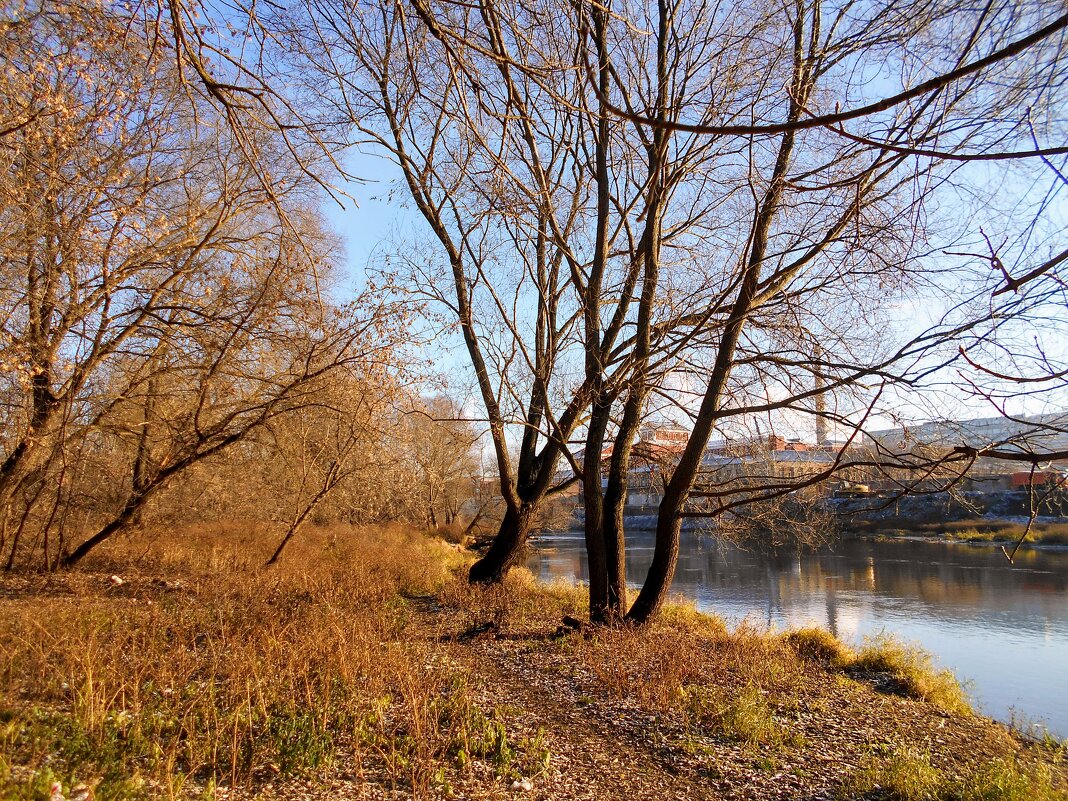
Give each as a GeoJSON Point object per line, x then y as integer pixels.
{"type": "Point", "coordinates": [599, 749]}
{"type": "Point", "coordinates": [593, 756]}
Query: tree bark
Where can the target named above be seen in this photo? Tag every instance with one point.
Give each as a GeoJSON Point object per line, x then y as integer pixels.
{"type": "Point", "coordinates": [615, 498]}
{"type": "Point", "coordinates": [506, 547]}
{"type": "Point", "coordinates": [612, 535]}
{"type": "Point", "coordinates": [593, 500]}
{"type": "Point", "coordinates": [665, 557]}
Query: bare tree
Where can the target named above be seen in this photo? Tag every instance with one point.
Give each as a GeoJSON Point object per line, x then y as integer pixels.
{"type": "Point", "coordinates": [441, 466]}
{"type": "Point", "coordinates": [157, 306]}
{"type": "Point", "coordinates": [498, 269]}
{"type": "Point", "coordinates": [632, 205]}
{"type": "Point", "coordinates": [786, 268]}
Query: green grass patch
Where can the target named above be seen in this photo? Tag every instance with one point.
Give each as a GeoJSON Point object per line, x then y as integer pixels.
{"type": "Point", "coordinates": [908, 775]}
{"type": "Point", "coordinates": [745, 716]}
{"type": "Point", "coordinates": [43, 747]}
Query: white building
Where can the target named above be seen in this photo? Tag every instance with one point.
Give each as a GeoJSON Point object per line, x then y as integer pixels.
{"type": "Point", "coordinates": [1031, 434]}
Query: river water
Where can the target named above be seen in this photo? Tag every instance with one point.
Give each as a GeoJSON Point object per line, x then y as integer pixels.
{"type": "Point", "coordinates": [1001, 628]}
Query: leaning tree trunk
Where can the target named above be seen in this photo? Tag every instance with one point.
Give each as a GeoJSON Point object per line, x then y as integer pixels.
{"type": "Point", "coordinates": [507, 546]}
{"type": "Point", "coordinates": [665, 557]}
{"type": "Point", "coordinates": [133, 504]}
{"type": "Point", "coordinates": [669, 516]}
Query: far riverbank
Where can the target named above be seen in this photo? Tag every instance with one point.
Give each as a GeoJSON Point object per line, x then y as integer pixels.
{"type": "Point", "coordinates": [1044, 533]}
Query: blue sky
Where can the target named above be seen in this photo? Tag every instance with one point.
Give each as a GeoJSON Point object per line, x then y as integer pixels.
{"type": "Point", "coordinates": [376, 218]}
{"type": "Point", "coordinates": [369, 218]}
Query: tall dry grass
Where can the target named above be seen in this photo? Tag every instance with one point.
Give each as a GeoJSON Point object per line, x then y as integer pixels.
{"type": "Point", "coordinates": [202, 667]}
{"type": "Point", "coordinates": [732, 684]}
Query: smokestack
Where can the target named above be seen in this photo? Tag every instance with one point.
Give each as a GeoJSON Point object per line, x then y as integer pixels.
{"type": "Point", "coordinates": [821, 422]}
{"type": "Point", "coordinates": [821, 400]}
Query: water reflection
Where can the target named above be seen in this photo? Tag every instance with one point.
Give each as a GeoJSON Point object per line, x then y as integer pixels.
{"type": "Point", "coordinates": [1003, 628]}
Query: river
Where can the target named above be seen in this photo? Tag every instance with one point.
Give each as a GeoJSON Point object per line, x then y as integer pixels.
{"type": "Point", "coordinates": [1003, 629]}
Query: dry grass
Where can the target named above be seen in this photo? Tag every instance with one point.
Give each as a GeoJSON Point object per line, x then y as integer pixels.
{"type": "Point", "coordinates": [744, 715]}
{"type": "Point", "coordinates": [910, 669]}
{"type": "Point", "coordinates": [819, 645]}
{"type": "Point", "coordinates": [202, 668]}
{"type": "Point", "coordinates": [667, 666]}
{"type": "Point", "coordinates": [519, 603]}
{"type": "Point", "coordinates": [726, 684]}
{"type": "Point", "coordinates": [902, 775]}
{"type": "Point", "coordinates": [913, 671]}
{"type": "Point", "coordinates": [226, 672]}
{"type": "Point", "coordinates": [736, 684]}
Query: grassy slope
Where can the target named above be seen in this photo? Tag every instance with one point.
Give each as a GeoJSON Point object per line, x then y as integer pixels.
{"type": "Point", "coordinates": [362, 666]}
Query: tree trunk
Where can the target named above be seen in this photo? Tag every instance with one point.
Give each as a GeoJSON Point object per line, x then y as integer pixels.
{"type": "Point", "coordinates": [593, 500]}
{"type": "Point", "coordinates": [613, 537]}
{"type": "Point", "coordinates": [615, 496]}
{"type": "Point", "coordinates": [506, 548]}
{"type": "Point", "coordinates": [669, 515]}
{"type": "Point", "coordinates": [105, 533]}
{"type": "Point", "coordinates": [665, 557]}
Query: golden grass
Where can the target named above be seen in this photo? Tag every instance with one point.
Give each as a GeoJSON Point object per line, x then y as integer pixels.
{"type": "Point", "coordinates": [205, 668]}
{"type": "Point", "coordinates": [903, 775]}
{"type": "Point", "coordinates": [914, 671]}
{"type": "Point", "coordinates": [819, 645]}
{"type": "Point", "coordinates": [228, 672]}
{"type": "Point", "coordinates": [744, 715]}
{"type": "Point", "coordinates": [910, 668]}
{"type": "Point", "coordinates": [518, 603]}
{"type": "Point", "coordinates": [729, 684]}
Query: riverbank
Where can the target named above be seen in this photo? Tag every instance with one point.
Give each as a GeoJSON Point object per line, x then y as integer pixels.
{"type": "Point", "coordinates": [1043, 533]}
{"type": "Point", "coordinates": [363, 667]}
